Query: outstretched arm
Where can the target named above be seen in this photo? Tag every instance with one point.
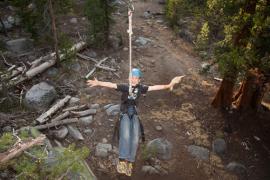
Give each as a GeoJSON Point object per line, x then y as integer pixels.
{"type": "Point", "coordinates": [96, 82]}
{"type": "Point", "coordinates": [170, 86]}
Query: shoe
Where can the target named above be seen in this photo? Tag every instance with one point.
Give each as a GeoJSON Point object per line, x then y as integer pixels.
{"type": "Point", "coordinates": [129, 169]}
{"type": "Point", "coordinates": [121, 167]}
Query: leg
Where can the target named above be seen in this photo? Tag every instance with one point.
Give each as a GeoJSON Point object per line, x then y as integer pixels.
{"type": "Point", "coordinates": [135, 135]}
{"type": "Point", "coordinates": [124, 140]}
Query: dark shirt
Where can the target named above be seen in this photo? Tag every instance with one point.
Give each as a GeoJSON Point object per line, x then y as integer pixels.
{"type": "Point", "coordinates": [130, 100]}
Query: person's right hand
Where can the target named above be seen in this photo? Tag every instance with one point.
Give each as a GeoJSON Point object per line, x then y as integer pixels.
{"type": "Point", "coordinates": [93, 83]}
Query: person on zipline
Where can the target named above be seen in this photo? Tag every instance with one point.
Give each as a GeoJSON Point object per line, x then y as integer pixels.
{"type": "Point", "coordinates": [129, 121]}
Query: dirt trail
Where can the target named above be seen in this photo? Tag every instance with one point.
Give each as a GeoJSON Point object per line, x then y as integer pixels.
{"type": "Point", "coordinates": [163, 58]}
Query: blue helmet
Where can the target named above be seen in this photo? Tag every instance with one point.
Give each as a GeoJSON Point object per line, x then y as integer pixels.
{"type": "Point", "coordinates": [136, 73]}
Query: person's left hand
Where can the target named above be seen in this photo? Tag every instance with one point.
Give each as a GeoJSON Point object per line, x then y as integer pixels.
{"type": "Point", "coordinates": [175, 80]}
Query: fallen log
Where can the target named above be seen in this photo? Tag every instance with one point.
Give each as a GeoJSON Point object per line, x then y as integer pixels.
{"type": "Point", "coordinates": [82, 56]}
{"type": "Point", "coordinates": [84, 113]}
{"type": "Point", "coordinates": [19, 148]}
{"type": "Point", "coordinates": [75, 108]}
{"type": "Point", "coordinates": [61, 116]}
{"type": "Point", "coordinates": [42, 67]}
{"type": "Point", "coordinates": [44, 117]}
{"type": "Point", "coordinates": [56, 123]}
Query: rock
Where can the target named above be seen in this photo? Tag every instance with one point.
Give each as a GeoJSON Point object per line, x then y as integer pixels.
{"type": "Point", "coordinates": [104, 140]}
{"type": "Point", "coordinates": [75, 133]}
{"type": "Point", "coordinates": [199, 152]}
{"type": "Point", "coordinates": [94, 106]}
{"type": "Point", "coordinates": [14, 20]}
{"type": "Point", "coordinates": [40, 96]}
{"type": "Point", "coordinates": [158, 128]}
{"type": "Point", "coordinates": [161, 1]}
{"type": "Point", "coordinates": [187, 35]}
{"type": "Point", "coordinates": [149, 170]}
{"type": "Point", "coordinates": [91, 54]}
{"type": "Point", "coordinates": [61, 133]}
{"type": "Point", "coordinates": [76, 67]}
{"type": "Point", "coordinates": [205, 67]}
{"type": "Point", "coordinates": [160, 147]}
{"type": "Point", "coordinates": [88, 131]}
{"type": "Point", "coordinates": [4, 175]}
{"type": "Point", "coordinates": [107, 106]}
{"type": "Point", "coordinates": [102, 149]}
{"type": "Point", "coordinates": [237, 168]}
{"type": "Point", "coordinates": [147, 14]}
{"type": "Point", "coordinates": [118, 2]}
{"type": "Point", "coordinates": [19, 46]}
{"type": "Point", "coordinates": [86, 120]}
{"type": "Point", "coordinates": [142, 41]}
{"type": "Point", "coordinates": [7, 129]}
{"type": "Point", "coordinates": [74, 100]}
{"type": "Point", "coordinates": [7, 25]}
{"type": "Point", "coordinates": [73, 20]}
{"type": "Point", "coordinates": [219, 146]}
{"type": "Point", "coordinates": [125, 49]}
{"type": "Point", "coordinates": [113, 110]}
{"type": "Point", "coordinates": [52, 72]}
{"type": "Point", "coordinates": [83, 18]}
{"type": "Point", "coordinates": [116, 41]}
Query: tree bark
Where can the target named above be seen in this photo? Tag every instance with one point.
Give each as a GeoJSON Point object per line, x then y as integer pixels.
{"type": "Point", "coordinates": [224, 96]}
{"type": "Point", "coordinates": [54, 31]}
{"type": "Point", "coordinates": [251, 91]}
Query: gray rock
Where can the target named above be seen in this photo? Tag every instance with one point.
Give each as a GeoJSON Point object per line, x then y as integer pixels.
{"type": "Point", "coordinates": [142, 41]}
{"type": "Point", "coordinates": [102, 149]}
{"type": "Point", "coordinates": [61, 133]}
{"type": "Point", "coordinates": [125, 49]}
{"type": "Point", "coordinates": [52, 72]}
{"type": "Point", "coordinates": [199, 152]}
{"type": "Point", "coordinates": [76, 67]}
{"type": "Point", "coordinates": [149, 170]}
{"type": "Point", "coordinates": [187, 35]}
{"type": "Point", "coordinates": [74, 20]}
{"type": "Point", "coordinates": [219, 146]}
{"type": "Point", "coordinates": [91, 54]}
{"type": "Point", "coordinates": [113, 110]}
{"type": "Point", "coordinates": [7, 129]}
{"type": "Point", "coordinates": [147, 14]}
{"type": "Point", "coordinates": [4, 175]}
{"type": "Point", "coordinates": [19, 46]}
{"type": "Point", "coordinates": [74, 100]}
{"type": "Point", "coordinates": [40, 96]}
{"type": "Point", "coordinates": [86, 120]}
{"type": "Point", "coordinates": [118, 2]}
{"type": "Point", "coordinates": [205, 67]}
{"type": "Point", "coordinates": [160, 147]}
{"type": "Point", "coordinates": [14, 20]}
{"type": "Point", "coordinates": [88, 131]}
{"type": "Point", "coordinates": [104, 140]}
{"type": "Point", "coordinates": [7, 25]}
{"type": "Point", "coordinates": [237, 168]}
{"type": "Point", "coordinates": [94, 106]}
{"type": "Point", "coordinates": [75, 133]}
{"type": "Point", "coordinates": [158, 128]}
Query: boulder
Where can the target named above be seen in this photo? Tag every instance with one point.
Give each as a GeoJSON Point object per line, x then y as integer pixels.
{"type": "Point", "coordinates": [61, 133]}
{"type": "Point", "coordinates": [19, 46]}
{"type": "Point", "coordinates": [219, 146]}
{"type": "Point", "coordinates": [160, 147]}
{"type": "Point", "coordinates": [86, 120]}
{"type": "Point", "coordinates": [113, 110]}
{"type": "Point", "coordinates": [75, 133]}
{"type": "Point", "coordinates": [237, 168]}
{"type": "Point", "coordinates": [199, 152]}
{"type": "Point", "coordinates": [102, 149]}
{"type": "Point", "coordinates": [149, 170]}
{"type": "Point", "coordinates": [142, 41]}
{"type": "Point", "coordinates": [40, 96]}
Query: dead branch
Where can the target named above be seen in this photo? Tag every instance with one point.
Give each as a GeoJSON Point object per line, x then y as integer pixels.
{"type": "Point", "coordinates": [75, 108]}
{"type": "Point", "coordinates": [52, 110]}
{"type": "Point", "coordinates": [61, 116]}
{"type": "Point", "coordinates": [19, 148]}
{"type": "Point", "coordinates": [94, 69]}
{"type": "Point", "coordinates": [84, 113]}
{"type": "Point", "coordinates": [82, 56]}
{"type": "Point", "coordinates": [57, 123]}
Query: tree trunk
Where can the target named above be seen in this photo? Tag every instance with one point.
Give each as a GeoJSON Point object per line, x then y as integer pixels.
{"type": "Point", "coordinates": [224, 96]}
{"type": "Point", "coordinates": [251, 91]}
{"type": "Point", "coordinates": [54, 33]}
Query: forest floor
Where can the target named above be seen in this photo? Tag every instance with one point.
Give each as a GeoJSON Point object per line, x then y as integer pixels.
{"type": "Point", "coordinates": [185, 114]}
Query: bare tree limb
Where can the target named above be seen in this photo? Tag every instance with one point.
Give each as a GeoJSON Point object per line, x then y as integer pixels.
{"type": "Point", "coordinates": [57, 123]}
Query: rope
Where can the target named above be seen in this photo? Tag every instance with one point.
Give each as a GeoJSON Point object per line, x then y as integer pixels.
{"type": "Point", "coordinates": [130, 13]}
